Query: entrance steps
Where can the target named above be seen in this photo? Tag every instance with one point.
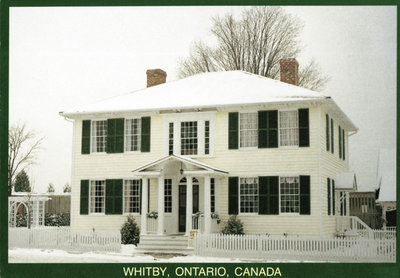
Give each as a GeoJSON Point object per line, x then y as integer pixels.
{"type": "Point", "coordinates": [164, 243]}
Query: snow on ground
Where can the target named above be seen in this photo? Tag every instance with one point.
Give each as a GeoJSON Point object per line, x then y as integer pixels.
{"type": "Point", "coordinates": [128, 254]}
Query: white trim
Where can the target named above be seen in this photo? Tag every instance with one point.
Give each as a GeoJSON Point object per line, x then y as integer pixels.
{"type": "Point", "coordinates": [320, 174]}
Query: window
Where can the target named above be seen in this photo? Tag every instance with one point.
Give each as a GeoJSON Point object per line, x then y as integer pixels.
{"type": "Point", "coordinates": [288, 128]}
{"type": "Point", "coordinates": [248, 195]}
{"type": "Point", "coordinates": [212, 194]}
{"type": "Point", "coordinates": [99, 136]}
{"type": "Point", "coordinates": [132, 135]}
{"type": "Point", "coordinates": [168, 195]}
{"type": "Point", "coordinates": [132, 196]}
{"type": "Point", "coordinates": [248, 125]}
{"type": "Point", "coordinates": [289, 195]}
{"type": "Point", "coordinates": [97, 196]}
{"type": "Point", "coordinates": [207, 137]}
{"type": "Point", "coordinates": [171, 138]}
{"type": "Point", "coordinates": [188, 138]}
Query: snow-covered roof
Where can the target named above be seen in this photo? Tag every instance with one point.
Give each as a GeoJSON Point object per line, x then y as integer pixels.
{"type": "Point", "coordinates": [346, 181]}
{"type": "Point", "coordinates": [205, 90]}
{"type": "Point", "coordinates": [386, 178]}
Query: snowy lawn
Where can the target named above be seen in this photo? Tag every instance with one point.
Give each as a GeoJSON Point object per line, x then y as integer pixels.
{"type": "Point", "coordinates": [128, 254]}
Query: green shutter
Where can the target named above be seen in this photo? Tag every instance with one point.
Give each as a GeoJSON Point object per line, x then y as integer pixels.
{"type": "Point", "coordinates": [333, 196]}
{"type": "Point", "coordinates": [113, 196]}
{"type": "Point", "coordinates": [305, 207]}
{"type": "Point", "coordinates": [84, 205]}
{"type": "Point", "coordinates": [327, 133]}
{"type": "Point", "coordinates": [332, 137]}
{"type": "Point", "coordinates": [343, 145]}
{"type": "Point", "coordinates": [273, 191]}
{"type": "Point", "coordinates": [263, 197]}
{"type": "Point", "coordinates": [268, 129]}
{"type": "Point", "coordinates": [115, 135]}
{"type": "Point", "coordinates": [304, 129]}
{"type": "Point", "coordinates": [233, 199]}
{"type": "Point", "coordinates": [340, 141]}
{"type": "Point", "coordinates": [233, 131]}
{"type": "Point", "coordinates": [85, 149]}
{"type": "Point", "coordinates": [145, 137]}
{"type": "Point", "coordinates": [329, 195]}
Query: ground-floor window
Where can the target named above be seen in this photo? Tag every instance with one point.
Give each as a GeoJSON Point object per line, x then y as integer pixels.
{"type": "Point", "coordinates": [168, 195]}
{"type": "Point", "coordinates": [289, 195]}
{"type": "Point", "coordinates": [248, 195]}
{"type": "Point", "coordinates": [97, 196]}
{"type": "Point", "coordinates": [132, 196]}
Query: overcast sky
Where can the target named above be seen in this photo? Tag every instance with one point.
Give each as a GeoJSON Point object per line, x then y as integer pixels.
{"type": "Point", "coordinates": [63, 57]}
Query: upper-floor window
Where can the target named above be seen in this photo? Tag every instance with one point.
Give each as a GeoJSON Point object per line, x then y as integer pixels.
{"type": "Point", "coordinates": [248, 193]}
{"type": "Point", "coordinates": [189, 139]}
{"type": "Point", "coordinates": [289, 195]}
{"type": "Point", "coordinates": [288, 128]}
{"type": "Point", "coordinates": [248, 130]}
{"type": "Point", "coordinates": [170, 138]}
{"type": "Point", "coordinates": [96, 203]}
{"type": "Point", "coordinates": [132, 196]}
{"type": "Point", "coordinates": [132, 134]}
{"type": "Point", "coordinates": [207, 137]}
{"type": "Point", "coordinates": [99, 136]}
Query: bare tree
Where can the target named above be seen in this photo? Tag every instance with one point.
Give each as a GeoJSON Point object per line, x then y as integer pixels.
{"type": "Point", "coordinates": [23, 147]}
{"type": "Point", "coordinates": [255, 43]}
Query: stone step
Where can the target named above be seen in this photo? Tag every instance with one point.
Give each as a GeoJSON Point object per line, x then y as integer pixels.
{"type": "Point", "coordinates": [164, 243]}
{"type": "Point", "coordinates": [164, 248]}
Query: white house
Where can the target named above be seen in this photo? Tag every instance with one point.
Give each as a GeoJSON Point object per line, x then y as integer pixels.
{"type": "Point", "coordinates": [219, 143]}
{"type": "Point", "coordinates": [386, 183]}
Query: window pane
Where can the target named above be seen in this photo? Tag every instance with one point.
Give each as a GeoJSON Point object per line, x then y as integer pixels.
{"type": "Point", "coordinates": [248, 195]}
{"type": "Point", "coordinates": [97, 196]}
{"type": "Point", "coordinates": [290, 194]}
{"type": "Point", "coordinates": [132, 196]}
{"type": "Point", "coordinates": [132, 134]}
{"type": "Point", "coordinates": [188, 138]}
{"type": "Point", "coordinates": [248, 130]}
{"type": "Point", "coordinates": [168, 195]}
{"type": "Point", "coordinates": [288, 128]}
{"type": "Point", "coordinates": [99, 136]}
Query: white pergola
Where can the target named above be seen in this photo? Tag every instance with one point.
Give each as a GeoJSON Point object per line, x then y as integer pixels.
{"type": "Point", "coordinates": [34, 205]}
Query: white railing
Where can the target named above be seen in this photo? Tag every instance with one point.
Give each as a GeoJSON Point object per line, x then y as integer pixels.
{"type": "Point", "coordinates": [352, 225]}
{"type": "Point", "coordinates": [152, 225]}
{"type": "Point", "coordinates": [382, 234]}
{"type": "Point", "coordinates": [64, 238]}
{"type": "Point", "coordinates": [357, 249]}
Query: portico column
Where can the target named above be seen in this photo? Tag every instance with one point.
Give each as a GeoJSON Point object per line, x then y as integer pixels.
{"type": "Point", "coordinates": [189, 204]}
{"type": "Point", "coordinates": [143, 217]}
{"type": "Point", "coordinates": [207, 205]}
{"type": "Point", "coordinates": [161, 205]}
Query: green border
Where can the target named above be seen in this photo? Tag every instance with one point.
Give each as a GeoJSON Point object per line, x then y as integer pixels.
{"type": "Point", "coordinates": [115, 270]}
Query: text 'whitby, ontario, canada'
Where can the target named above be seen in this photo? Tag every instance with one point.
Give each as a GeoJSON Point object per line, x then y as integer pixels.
{"type": "Point", "coordinates": [198, 271]}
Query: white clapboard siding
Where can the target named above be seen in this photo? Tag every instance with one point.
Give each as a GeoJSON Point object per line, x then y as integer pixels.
{"type": "Point", "coordinates": [64, 238]}
{"type": "Point", "coordinates": [354, 249]}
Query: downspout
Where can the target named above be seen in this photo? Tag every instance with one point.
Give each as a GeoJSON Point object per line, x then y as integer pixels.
{"type": "Point", "coordinates": [320, 171]}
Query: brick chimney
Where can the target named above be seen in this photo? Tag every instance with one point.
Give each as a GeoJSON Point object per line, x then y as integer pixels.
{"type": "Point", "coordinates": [289, 71]}
{"type": "Point", "coordinates": [155, 77]}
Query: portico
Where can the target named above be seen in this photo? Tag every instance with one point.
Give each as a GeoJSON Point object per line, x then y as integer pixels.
{"type": "Point", "coordinates": [186, 192]}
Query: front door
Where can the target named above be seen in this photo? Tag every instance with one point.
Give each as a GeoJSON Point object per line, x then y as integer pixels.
{"type": "Point", "coordinates": [182, 208]}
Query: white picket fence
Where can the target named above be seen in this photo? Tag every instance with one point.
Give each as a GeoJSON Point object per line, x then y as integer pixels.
{"type": "Point", "coordinates": [64, 238]}
{"type": "Point", "coordinates": [351, 249]}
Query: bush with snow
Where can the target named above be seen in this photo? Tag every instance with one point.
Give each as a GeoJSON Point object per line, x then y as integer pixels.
{"type": "Point", "coordinates": [130, 232]}
{"type": "Point", "coordinates": [233, 227]}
